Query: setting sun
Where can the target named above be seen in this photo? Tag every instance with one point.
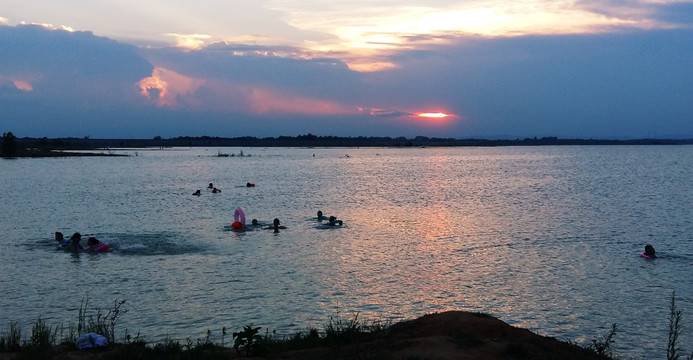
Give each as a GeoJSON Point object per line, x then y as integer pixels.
{"type": "Point", "coordinates": [438, 115]}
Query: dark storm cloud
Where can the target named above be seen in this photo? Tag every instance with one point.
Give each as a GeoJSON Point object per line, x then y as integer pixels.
{"type": "Point", "coordinates": [64, 75]}
{"type": "Point", "coordinates": [71, 67]}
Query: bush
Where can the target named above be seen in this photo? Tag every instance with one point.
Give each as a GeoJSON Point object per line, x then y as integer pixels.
{"type": "Point", "coordinates": [9, 144]}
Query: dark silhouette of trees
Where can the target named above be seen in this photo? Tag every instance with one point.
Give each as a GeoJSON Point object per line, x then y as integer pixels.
{"type": "Point", "coordinates": [9, 144]}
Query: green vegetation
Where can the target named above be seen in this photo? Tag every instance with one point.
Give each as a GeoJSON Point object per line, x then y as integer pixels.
{"type": "Point", "coordinates": [675, 316]}
{"type": "Point", "coordinates": [247, 339]}
{"type": "Point", "coordinates": [100, 323]}
{"type": "Point", "coordinates": [603, 347]}
{"type": "Point", "coordinates": [53, 342]}
{"type": "Point", "coordinates": [11, 341]}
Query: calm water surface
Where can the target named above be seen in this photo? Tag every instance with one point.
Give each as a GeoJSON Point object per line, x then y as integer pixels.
{"type": "Point", "coordinates": [545, 238]}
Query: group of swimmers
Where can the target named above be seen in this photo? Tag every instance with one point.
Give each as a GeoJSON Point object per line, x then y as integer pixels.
{"type": "Point", "coordinates": [215, 190]}
{"type": "Point", "coordinates": [239, 224]}
{"type": "Point", "coordinates": [211, 187]}
{"type": "Point", "coordinates": [331, 221]}
{"type": "Point", "coordinates": [73, 243]}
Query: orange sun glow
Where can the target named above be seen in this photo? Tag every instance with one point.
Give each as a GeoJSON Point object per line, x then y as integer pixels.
{"type": "Point", "coordinates": [436, 115]}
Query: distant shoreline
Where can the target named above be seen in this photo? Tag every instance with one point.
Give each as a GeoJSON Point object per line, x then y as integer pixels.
{"type": "Point", "coordinates": [41, 145]}
{"type": "Point", "coordinates": [43, 153]}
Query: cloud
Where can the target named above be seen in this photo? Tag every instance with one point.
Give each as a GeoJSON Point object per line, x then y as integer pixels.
{"type": "Point", "coordinates": [170, 89]}
{"type": "Point", "coordinates": [68, 65]}
{"type": "Point", "coordinates": [190, 41]}
{"type": "Point", "coordinates": [629, 83]}
{"type": "Point", "coordinates": [284, 69]}
{"type": "Point", "coordinates": [60, 72]}
{"type": "Point", "coordinates": [679, 14]}
{"type": "Point", "coordinates": [386, 112]}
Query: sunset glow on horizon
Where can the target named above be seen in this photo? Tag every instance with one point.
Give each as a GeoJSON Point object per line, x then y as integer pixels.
{"type": "Point", "coordinates": [435, 115]}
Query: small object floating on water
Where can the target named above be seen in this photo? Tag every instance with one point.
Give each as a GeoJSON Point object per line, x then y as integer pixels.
{"type": "Point", "coordinates": [197, 193]}
{"type": "Point", "coordinates": [238, 219]}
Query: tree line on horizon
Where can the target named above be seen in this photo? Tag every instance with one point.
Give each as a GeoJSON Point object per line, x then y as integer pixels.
{"type": "Point", "coordinates": [11, 144]}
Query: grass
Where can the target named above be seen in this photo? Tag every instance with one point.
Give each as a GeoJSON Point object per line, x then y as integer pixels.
{"type": "Point", "coordinates": [247, 342]}
{"type": "Point", "coordinates": [336, 333]}
{"type": "Point", "coordinates": [11, 341]}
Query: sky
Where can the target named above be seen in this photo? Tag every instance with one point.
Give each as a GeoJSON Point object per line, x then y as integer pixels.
{"type": "Point", "coordinates": [607, 69]}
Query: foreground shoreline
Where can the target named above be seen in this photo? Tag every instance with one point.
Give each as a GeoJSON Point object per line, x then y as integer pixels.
{"type": "Point", "coordinates": [446, 335]}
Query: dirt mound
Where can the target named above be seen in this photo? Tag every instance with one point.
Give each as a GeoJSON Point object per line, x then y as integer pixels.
{"type": "Point", "coordinates": [450, 335]}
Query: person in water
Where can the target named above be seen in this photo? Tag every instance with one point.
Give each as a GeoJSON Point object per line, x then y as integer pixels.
{"type": "Point", "coordinates": [60, 239]}
{"type": "Point", "coordinates": [321, 217]}
{"type": "Point", "coordinates": [215, 190]}
{"type": "Point", "coordinates": [211, 186]}
{"type": "Point", "coordinates": [74, 245]}
{"type": "Point", "coordinates": [276, 225]}
{"type": "Point", "coordinates": [650, 251]}
{"type": "Point", "coordinates": [333, 221]}
{"type": "Point", "coordinates": [94, 245]}
{"type": "Point", "coordinates": [197, 193]}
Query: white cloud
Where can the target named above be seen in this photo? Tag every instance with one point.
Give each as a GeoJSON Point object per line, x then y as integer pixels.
{"type": "Point", "coordinates": [366, 24]}
{"type": "Point", "coordinates": [190, 41]}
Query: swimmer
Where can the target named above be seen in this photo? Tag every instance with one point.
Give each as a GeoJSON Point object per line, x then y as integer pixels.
{"type": "Point", "coordinates": [276, 225]}
{"type": "Point", "coordinates": [650, 251]}
{"type": "Point", "coordinates": [321, 217]}
{"type": "Point", "coordinates": [75, 246]}
{"type": "Point", "coordinates": [63, 244]}
{"type": "Point", "coordinates": [94, 245]}
{"type": "Point", "coordinates": [254, 222]}
{"type": "Point", "coordinates": [249, 184]}
{"type": "Point", "coordinates": [211, 186]}
{"type": "Point", "coordinates": [197, 193]}
{"type": "Point", "coordinates": [60, 239]}
{"type": "Point", "coordinates": [333, 221]}
{"type": "Point", "coordinates": [215, 190]}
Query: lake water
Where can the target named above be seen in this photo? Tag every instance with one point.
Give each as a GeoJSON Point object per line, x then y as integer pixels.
{"type": "Point", "coordinates": [545, 238]}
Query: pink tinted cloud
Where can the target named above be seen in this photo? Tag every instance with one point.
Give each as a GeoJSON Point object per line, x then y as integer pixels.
{"type": "Point", "coordinates": [167, 88]}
